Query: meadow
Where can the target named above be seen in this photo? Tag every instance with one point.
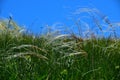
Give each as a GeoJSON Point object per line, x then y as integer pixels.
{"type": "Point", "coordinates": [24, 56]}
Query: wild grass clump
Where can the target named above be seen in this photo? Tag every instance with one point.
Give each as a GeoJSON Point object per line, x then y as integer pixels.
{"type": "Point", "coordinates": [61, 57]}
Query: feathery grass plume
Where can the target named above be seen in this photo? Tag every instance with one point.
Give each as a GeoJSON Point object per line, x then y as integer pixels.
{"type": "Point", "coordinates": [9, 26]}
{"type": "Point", "coordinates": [59, 37]}
{"type": "Point", "coordinates": [99, 21]}
{"type": "Point", "coordinates": [26, 46]}
{"type": "Point", "coordinates": [25, 54]}
{"type": "Point", "coordinates": [3, 26]}
{"type": "Point", "coordinates": [74, 54]}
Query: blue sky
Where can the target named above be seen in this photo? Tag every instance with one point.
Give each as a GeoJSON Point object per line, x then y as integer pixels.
{"type": "Point", "coordinates": [36, 13]}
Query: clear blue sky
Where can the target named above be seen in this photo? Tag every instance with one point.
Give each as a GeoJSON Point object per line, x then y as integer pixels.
{"type": "Point", "coordinates": [36, 13]}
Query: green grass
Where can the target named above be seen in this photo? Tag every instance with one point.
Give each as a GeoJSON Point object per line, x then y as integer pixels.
{"type": "Point", "coordinates": [61, 57]}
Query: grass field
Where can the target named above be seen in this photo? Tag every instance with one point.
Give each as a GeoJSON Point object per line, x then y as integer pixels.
{"type": "Point", "coordinates": [24, 56]}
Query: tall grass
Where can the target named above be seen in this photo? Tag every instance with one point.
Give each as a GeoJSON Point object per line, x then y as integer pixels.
{"type": "Point", "coordinates": [56, 57]}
